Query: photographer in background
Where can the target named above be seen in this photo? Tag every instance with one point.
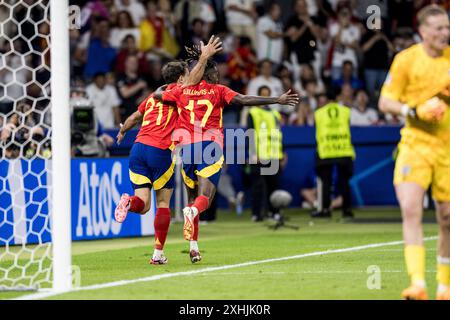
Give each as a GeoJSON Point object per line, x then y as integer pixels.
{"type": "Point", "coordinates": [23, 136]}
{"type": "Point", "coordinates": [88, 139]}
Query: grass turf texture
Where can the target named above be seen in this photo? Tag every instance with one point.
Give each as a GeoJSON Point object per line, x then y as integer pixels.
{"type": "Point", "coordinates": [233, 240]}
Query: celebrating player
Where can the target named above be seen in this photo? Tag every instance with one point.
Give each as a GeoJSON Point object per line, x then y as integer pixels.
{"type": "Point", "coordinates": [200, 133]}
{"type": "Point", "coordinates": [151, 163]}
{"type": "Point", "coordinates": [417, 88]}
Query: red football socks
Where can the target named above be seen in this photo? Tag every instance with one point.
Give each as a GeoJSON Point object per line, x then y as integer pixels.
{"type": "Point", "coordinates": [161, 223]}
{"type": "Point", "coordinates": [136, 204]}
{"type": "Point", "coordinates": [201, 203]}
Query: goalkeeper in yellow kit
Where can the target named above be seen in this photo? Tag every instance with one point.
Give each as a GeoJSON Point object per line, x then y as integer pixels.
{"type": "Point", "coordinates": [417, 87]}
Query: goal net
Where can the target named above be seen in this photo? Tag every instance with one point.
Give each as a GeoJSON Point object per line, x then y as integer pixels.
{"type": "Point", "coordinates": [27, 153]}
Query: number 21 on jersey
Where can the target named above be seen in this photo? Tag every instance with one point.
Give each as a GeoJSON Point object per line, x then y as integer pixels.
{"type": "Point", "coordinates": [160, 108]}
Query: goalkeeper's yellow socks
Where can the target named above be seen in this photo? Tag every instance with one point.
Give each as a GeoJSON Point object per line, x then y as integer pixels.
{"type": "Point", "coordinates": [443, 274]}
{"type": "Point", "coordinates": [415, 264]}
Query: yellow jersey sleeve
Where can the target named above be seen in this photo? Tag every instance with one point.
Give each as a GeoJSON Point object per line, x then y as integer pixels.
{"type": "Point", "coordinates": [397, 79]}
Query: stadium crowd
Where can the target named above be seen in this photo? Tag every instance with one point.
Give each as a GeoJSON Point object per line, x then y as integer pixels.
{"type": "Point", "coordinates": [308, 46]}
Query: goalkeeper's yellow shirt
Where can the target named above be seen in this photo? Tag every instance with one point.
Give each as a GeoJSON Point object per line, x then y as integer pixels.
{"type": "Point", "coordinates": [414, 78]}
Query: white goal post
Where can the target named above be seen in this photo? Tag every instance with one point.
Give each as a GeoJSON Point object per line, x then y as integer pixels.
{"type": "Point", "coordinates": [60, 93]}
{"type": "Point", "coordinates": [35, 152]}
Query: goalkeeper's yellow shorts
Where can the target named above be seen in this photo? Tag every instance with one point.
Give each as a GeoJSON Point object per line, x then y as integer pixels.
{"type": "Point", "coordinates": [425, 164]}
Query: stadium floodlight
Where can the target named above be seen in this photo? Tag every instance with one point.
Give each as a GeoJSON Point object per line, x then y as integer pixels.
{"type": "Point", "coordinates": [35, 215]}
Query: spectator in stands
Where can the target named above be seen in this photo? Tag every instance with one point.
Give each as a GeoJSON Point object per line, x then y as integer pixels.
{"type": "Point", "coordinates": [105, 100]}
{"type": "Point", "coordinates": [129, 47]}
{"type": "Point", "coordinates": [131, 88]}
{"type": "Point", "coordinates": [135, 8]}
{"type": "Point", "coordinates": [125, 27]}
{"type": "Point", "coordinates": [8, 137]}
{"type": "Point", "coordinates": [15, 76]}
{"type": "Point", "coordinates": [324, 11]}
{"type": "Point", "coordinates": [348, 77]}
{"type": "Point", "coordinates": [265, 78]}
{"type": "Point", "coordinates": [36, 139]}
{"type": "Point", "coordinates": [100, 55]}
{"type": "Point", "coordinates": [187, 10]}
{"type": "Point", "coordinates": [21, 133]}
{"type": "Point", "coordinates": [76, 66]}
{"type": "Point", "coordinates": [402, 14]}
{"type": "Point", "coordinates": [346, 37]}
{"type": "Point", "coordinates": [92, 10]}
{"type": "Point", "coordinates": [269, 35]}
{"type": "Point", "coordinates": [346, 95]}
{"type": "Point", "coordinates": [361, 114]}
{"type": "Point", "coordinates": [324, 44]}
{"type": "Point", "coordinates": [197, 34]}
{"type": "Point", "coordinates": [241, 18]}
{"type": "Point", "coordinates": [286, 111]}
{"type": "Point", "coordinates": [403, 39]}
{"type": "Point", "coordinates": [230, 115]}
{"type": "Point", "coordinates": [301, 31]}
{"type": "Point", "coordinates": [155, 80]}
{"type": "Point", "coordinates": [156, 40]}
{"type": "Point", "coordinates": [242, 63]}
{"type": "Point", "coordinates": [304, 115]}
{"type": "Point", "coordinates": [30, 118]}
{"type": "Point", "coordinates": [166, 11]}
{"type": "Point", "coordinates": [306, 74]}
{"type": "Point", "coordinates": [311, 94]}
{"type": "Point", "coordinates": [377, 50]}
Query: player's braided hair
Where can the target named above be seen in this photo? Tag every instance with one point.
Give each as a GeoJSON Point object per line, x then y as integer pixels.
{"type": "Point", "coordinates": [193, 55]}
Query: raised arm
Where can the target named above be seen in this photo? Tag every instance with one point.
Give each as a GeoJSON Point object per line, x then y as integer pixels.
{"type": "Point", "coordinates": [285, 99]}
{"type": "Point", "coordinates": [129, 124]}
{"type": "Point", "coordinates": [214, 46]}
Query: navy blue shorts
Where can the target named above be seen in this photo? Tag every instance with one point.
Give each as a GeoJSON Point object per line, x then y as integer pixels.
{"type": "Point", "coordinates": [151, 167]}
{"type": "Point", "coordinates": [201, 159]}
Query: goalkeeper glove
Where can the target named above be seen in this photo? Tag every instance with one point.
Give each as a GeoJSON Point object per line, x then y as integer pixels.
{"type": "Point", "coordinates": [432, 110]}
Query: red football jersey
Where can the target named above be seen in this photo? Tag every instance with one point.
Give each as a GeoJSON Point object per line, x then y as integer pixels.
{"type": "Point", "coordinates": [200, 111]}
{"type": "Point", "coordinates": [159, 121]}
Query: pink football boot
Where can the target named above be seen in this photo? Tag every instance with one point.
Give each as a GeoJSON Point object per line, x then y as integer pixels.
{"type": "Point", "coordinates": [122, 208]}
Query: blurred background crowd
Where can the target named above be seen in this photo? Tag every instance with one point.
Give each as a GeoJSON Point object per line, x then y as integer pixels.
{"type": "Point", "coordinates": [336, 47]}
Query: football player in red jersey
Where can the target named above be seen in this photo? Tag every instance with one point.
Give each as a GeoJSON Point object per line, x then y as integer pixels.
{"type": "Point", "coordinates": [151, 164]}
{"type": "Point", "coordinates": [200, 134]}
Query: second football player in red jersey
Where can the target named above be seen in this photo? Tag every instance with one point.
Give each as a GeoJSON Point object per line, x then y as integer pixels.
{"type": "Point", "coordinates": [200, 134]}
{"type": "Point", "coordinates": [151, 164]}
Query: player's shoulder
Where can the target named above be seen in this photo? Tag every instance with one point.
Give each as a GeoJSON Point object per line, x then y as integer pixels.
{"type": "Point", "coordinates": [409, 53]}
{"type": "Point", "coordinates": [172, 86]}
{"type": "Point", "coordinates": [210, 87]}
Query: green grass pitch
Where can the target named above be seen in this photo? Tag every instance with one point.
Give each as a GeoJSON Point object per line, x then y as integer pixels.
{"type": "Point", "coordinates": [235, 239]}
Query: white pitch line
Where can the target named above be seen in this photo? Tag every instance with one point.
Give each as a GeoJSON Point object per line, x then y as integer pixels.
{"type": "Point", "coordinates": [302, 272]}
{"type": "Point", "coordinates": [43, 295]}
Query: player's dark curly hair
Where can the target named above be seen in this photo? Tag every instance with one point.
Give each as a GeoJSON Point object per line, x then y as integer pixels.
{"type": "Point", "coordinates": [172, 71]}
{"type": "Point", "coordinates": [211, 74]}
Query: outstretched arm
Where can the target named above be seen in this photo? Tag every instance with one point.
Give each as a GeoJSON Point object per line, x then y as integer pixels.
{"type": "Point", "coordinates": [214, 46]}
{"type": "Point", "coordinates": [129, 124]}
{"type": "Point", "coordinates": [285, 99]}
